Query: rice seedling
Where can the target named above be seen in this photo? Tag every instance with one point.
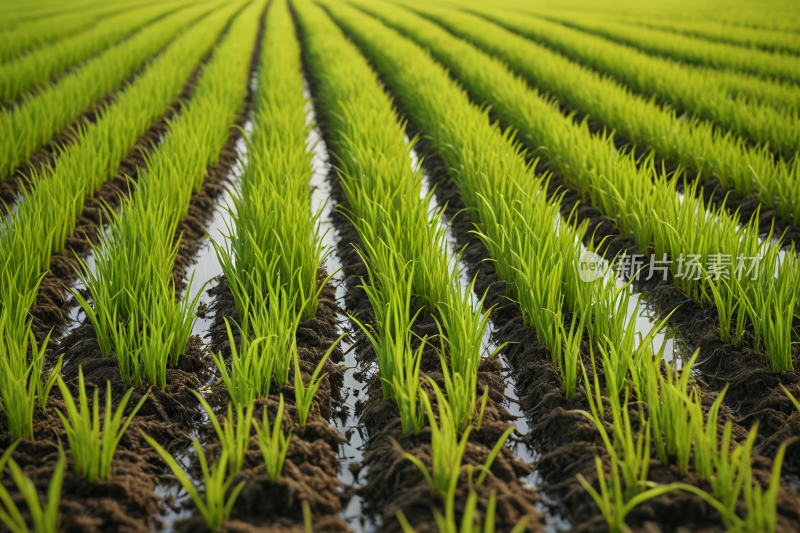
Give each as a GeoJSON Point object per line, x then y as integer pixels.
{"type": "Point", "coordinates": [92, 447]}
{"type": "Point", "coordinates": [631, 457]}
{"type": "Point", "coordinates": [615, 508]}
{"type": "Point", "coordinates": [45, 519]}
{"type": "Point", "coordinates": [389, 291]}
{"type": "Point", "coordinates": [447, 448]}
{"type": "Point", "coordinates": [304, 396]}
{"type": "Point", "coordinates": [251, 375]}
{"type": "Point", "coordinates": [235, 436]}
{"type": "Point", "coordinates": [274, 444]}
{"type": "Point", "coordinates": [667, 401]}
{"type": "Point", "coordinates": [22, 384]}
{"type": "Point", "coordinates": [147, 329]}
{"type": "Point", "coordinates": [214, 508]}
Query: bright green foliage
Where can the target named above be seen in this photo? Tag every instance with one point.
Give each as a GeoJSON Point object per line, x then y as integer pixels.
{"type": "Point", "coordinates": [134, 312]}
{"type": "Point", "coordinates": [272, 273]}
{"type": "Point", "coordinates": [251, 373]}
{"type": "Point", "coordinates": [304, 395]}
{"type": "Point", "coordinates": [763, 111]}
{"type": "Point", "coordinates": [696, 145]}
{"type": "Point", "coordinates": [40, 33]}
{"type": "Point", "coordinates": [631, 457]}
{"type": "Point", "coordinates": [214, 508]}
{"type": "Point", "coordinates": [47, 215]}
{"type": "Point", "coordinates": [768, 65]}
{"type": "Point", "coordinates": [29, 126]}
{"type": "Point", "coordinates": [715, 31]}
{"type": "Point", "coordinates": [37, 68]}
{"type": "Point", "coordinates": [447, 449]}
{"type": "Point", "coordinates": [642, 202]}
{"type": "Point", "coordinates": [667, 401]}
{"type": "Point", "coordinates": [389, 292]}
{"type": "Point", "coordinates": [274, 194]}
{"type": "Point", "coordinates": [45, 519]}
{"type": "Point", "coordinates": [22, 383]}
{"type": "Point", "coordinates": [404, 245]}
{"type": "Point", "coordinates": [92, 447]}
{"type": "Point", "coordinates": [534, 250]}
{"type": "Point", "coordinates": [235, 437]}
{"type": "Point", "coordinates": [274, 444]}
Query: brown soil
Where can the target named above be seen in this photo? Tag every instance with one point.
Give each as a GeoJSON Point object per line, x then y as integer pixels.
{"type": "Point", "coordinates": [124, 503]}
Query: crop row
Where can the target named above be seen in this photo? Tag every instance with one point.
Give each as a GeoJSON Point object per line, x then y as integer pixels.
{"type": "Point", "coordinates": [134, 311]}
{"type": "Point", "coordinates": [712, 31]}
{"type": "Point", "coordinates": [270, 261]}
{"type": "Point", "coordinates": [41, 33]}
{"type": "Point", "coordinates": [31, 70]}
{"type": "Point", "coordinates": [404, 248]}
{"type": "Point", "coordinates": [768, 65]}
{"type": "Point", "coordinates": [22, 18]}
{"type": "Point", "coordinates": [30, 125]}
{"type": "Point", "coordinates": [409, 273]}
{"type": "Point", "coordinates": [758, 110]}
{"type": "Point", "coordinates": [696, 145]}
{"type": "Point", "coordinates": [274, 251]}
{"type": "Point", "coordinates": [47, 215]}
{"type": "Point", "coordinates": [642, 203]}
{"type": "Point", "coordinates": [510, 214]}
{"type": "Point", "coordinates": [441, 109]}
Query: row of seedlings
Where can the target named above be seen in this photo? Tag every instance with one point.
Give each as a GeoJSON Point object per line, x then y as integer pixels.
{"type": "Point", "coordinates": [149, 332]}
{"type": "Point", "coordinates": [636, 369]}
{"type": "Point", "coordinates": [696, 145]}
{"type": "Point", "coordinates": [646, 206]}
{"type": "Point", "coordinates": [416, 319]}
{"type": "Point", "coordinates": [40, 16]}
{"type": "Point", "coordinates": [124, 497]}
{"type": "Point", "coordinates": [755, 309]}
{"type": "Point", "coordinates": [761, 111]}
{"type": "Point", "coordinates": [32, 70]}
{"type": "Point", "coordinates": [545, 127]}
{"type": "Point", "coordinates": [770, 65]}
{"type": "Point", "coordinates": [717, 32]}
{"type": "Point", "coordinates": [275, 321]}
{"type": "Point", "coordinates": [31, 124]}
{"type": "Point", "coordinates": [44, 221]}
{"type": "Point", "coordinates": [43, 32]}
